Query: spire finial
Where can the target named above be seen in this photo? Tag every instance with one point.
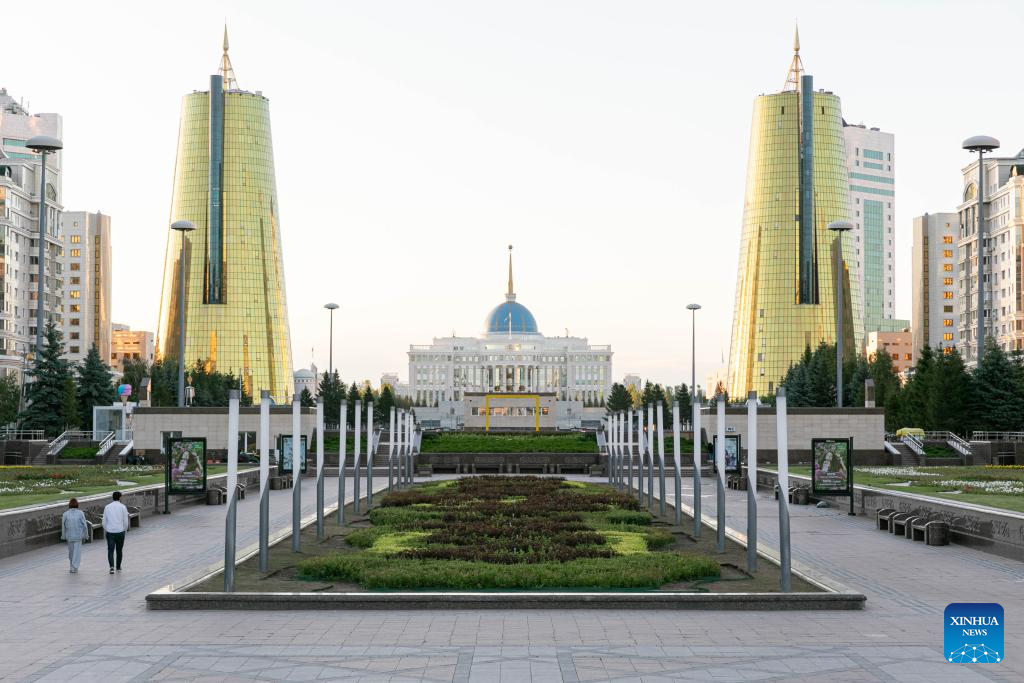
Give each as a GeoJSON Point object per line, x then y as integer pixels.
{"type": "Point", "coordinates": [227, 71]}
{"type": "Point", "coordinates": [796, 67]}
{"type": "Point", "coordinates": [511, 294]}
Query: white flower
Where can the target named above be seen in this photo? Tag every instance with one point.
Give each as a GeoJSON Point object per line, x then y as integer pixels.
{"type": "Point", "coordinates": [1002, 486]}
{"type": "Point", "coordinates": [894, 472]}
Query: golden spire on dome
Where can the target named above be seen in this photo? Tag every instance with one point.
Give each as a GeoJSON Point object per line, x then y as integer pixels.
{"type": "Point", "coordinates": [511, 294]}
{"type": "Point", "coordinates": [227, 71]}
{"type": "Point", "coordinates": [796, 67]}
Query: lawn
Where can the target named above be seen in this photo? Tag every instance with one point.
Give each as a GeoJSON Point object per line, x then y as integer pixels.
{"type": "Point", "coordinates": [465, 442]}
{"type": "Point", "coordinates": [1001, 487]}
{"type": "Point", "coordinates": [27, 485]}
{"type": "Point", "coordinates": [510, 533]}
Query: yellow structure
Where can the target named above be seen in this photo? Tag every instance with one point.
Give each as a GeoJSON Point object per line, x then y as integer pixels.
{"type": "Point", "coordinates": [235, 309]}
{"type": "Point", "coordinates": [796, 185]}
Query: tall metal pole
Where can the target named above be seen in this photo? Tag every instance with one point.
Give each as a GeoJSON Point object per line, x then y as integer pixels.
{"type": "Point", "coordinates": [981, 256]}
{"type": "Point", "coordinates": [369, 455]}
{"type": "Point", "coordinates": [264, 557]}
{"type": "Point", "coordinates": [391, 450]}
{"type": "Point", "coordinates": [181, 322]}
{"type": "Point", "coordinates": [330, 344]}
{"type": "Point", "coordinates": [839, 319]}
{"type": "Point", "coordinates": [342, 451]}
{"type": "Point", "coordinates": [629, 449]}
{"type": "Point", "coordinates": [678, 465]}
{"type": "Point", "coordinates": [697, 515]}
{"type": "Point", "coordinates": [230, 525]}
{"type": "Point", "coordinates": [782, 439]}
{"type": "Point", "coordinates": [399, 482]}
{"type": "Point", "coordinates": [752, 481]}
{"type": "Point", "coordinates": [720, 466]}
{"type": "Point", "coordinates": [320, 467]}
{"type": "Point", "coordinates": [41, 255]}
{"type": "Point", "coordinates": [355, 458]}
{"type": "Point", "coordinates": [296, 473]}
{"type": "Point", "coordinates": [661, 458]}
{"type": "Point", "coordinates": [650, 455]}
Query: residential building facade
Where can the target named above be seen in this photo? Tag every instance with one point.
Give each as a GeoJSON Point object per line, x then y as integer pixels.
{"type": "Point", "coordinates": [797, 185]}
{"type": "Point", "coordinates": [128, 344]}
{"type": "Point", "coordinates": [933, 282]}
{"type": "Point", "coordinates": [898, 345]}
{"type": "Point", "coordinates": [19, 231]}
{"type": "Point", "coordinates": [870, 164]}
{"type": "Point", "coordinates": [1004, 218]}
{"type": "Point", "coordinates": [87, 284]}
{"type": "Point", "coordinates": [234, 296]}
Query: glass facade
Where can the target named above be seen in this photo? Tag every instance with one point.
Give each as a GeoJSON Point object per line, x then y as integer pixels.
{"type": "Point", "coordinates": [771, 327]}
{"type": "Point", "coordinates": [235, 307]}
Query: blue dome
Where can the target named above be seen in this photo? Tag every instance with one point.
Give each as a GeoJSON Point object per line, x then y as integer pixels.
{"type": "Point", "coordinates": [522, 321]}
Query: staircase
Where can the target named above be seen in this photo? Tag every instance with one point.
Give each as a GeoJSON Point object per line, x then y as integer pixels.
{"type": "Point", "coordinates": [902, 454]}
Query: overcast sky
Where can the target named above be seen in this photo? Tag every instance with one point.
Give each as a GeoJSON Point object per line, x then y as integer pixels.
{"type": "Point", "coordinates": [415, 140]}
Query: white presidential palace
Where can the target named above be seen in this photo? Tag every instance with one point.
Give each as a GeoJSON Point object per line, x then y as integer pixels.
{"type": "Point", "coordinates": [455, 379]}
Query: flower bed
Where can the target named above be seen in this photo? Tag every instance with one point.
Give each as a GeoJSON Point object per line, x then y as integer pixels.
{"type": "Point", "coordinates": [509, 532]}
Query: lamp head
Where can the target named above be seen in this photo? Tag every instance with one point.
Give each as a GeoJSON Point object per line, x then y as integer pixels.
{"type": "Point", "coordinates": [981, 143]}
{"type": "Point", "coordinates": [44, 143]}
{"type": "Point", "coordinates": [840, 226]}
{"type": "Point", "coordinates": [183, 226]}
{"type": "Point", "coordinates": [331, 306]}
{"type": "Point", "coordinates": [693, 307]}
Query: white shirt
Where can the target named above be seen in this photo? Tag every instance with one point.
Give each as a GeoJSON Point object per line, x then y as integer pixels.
{"type": "Point", "coordinates": [115, 517]}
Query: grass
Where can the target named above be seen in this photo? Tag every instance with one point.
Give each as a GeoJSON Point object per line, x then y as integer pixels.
{"type": "Point", "coordinates": [510, 533]}
{"type": "Point", "coordinates": [940, 452]}
{"type": "Point", "coordinates": [78, 453]}
{"type": "Point", "coordinates": [28, 485]}
{"type": "Point", "coordinates": [464, 442]}
{"type": "Point", "coordinates": [941, 481]}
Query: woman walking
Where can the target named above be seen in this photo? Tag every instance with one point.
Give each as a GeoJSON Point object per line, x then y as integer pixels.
{"type": "Point", "coordinates": [73, 530]}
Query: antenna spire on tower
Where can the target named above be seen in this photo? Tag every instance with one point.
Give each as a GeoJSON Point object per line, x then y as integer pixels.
{"type": "Point", "coordinates": [227, 71]}
{"type": "Point", "coordinates": [796, 67]}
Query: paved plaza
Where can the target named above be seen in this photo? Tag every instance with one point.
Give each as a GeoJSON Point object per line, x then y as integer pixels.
{"type": "Point", "coordinates": [95, 627]}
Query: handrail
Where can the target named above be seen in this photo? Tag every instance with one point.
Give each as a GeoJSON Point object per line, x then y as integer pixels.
{"type": "Point", "coordinates": [997, 436]}
{"type": "Point", "coordinates": [58, 444]}
{"type": "Point", "coordinates": [105, 445]}
{"type": "Point", "coordinates": [22, 435]}
{"type": "Point", "coordinates": [914, 444]}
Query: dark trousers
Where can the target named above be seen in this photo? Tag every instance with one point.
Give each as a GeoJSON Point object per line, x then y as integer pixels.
{"type": "Point", "coordinates": [114, 542]}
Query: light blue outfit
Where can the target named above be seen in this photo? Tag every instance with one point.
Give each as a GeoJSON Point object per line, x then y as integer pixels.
{"type": "Point", "coordinates": [73, 529]}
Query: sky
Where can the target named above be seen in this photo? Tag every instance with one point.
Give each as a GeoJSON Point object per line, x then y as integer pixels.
{"type": "Point", "coordinates": [415, 140]}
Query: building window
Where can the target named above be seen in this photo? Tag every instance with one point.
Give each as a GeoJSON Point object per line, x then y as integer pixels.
{"type": "Point", "coordinates": [948, 281]}
{"type": "Point", "coordinates": [76, 239]}
{"type": "Point", "coordinates": [947, 267]}
{"type": "Point", "coordinates": [76, 252]}
{"type": "Point", "coordinates": [906, 356]}
{"type": "Point", "coordinates": [948, 336]}
{"type": "Point", "coordinates": [947, 239]}
{"type": "Point", "coordinates": [76, 308]}
{"type": "Point", "coordinates": [946, 253]}
{"type": "Point", "coordinates": [947, 295]}
{"type": "Point", "coordinates": [895, 356]}
{"type": "Point", "coordinates": [75, 294]}
{"type": "Point", "coordinates": [75, 349]}
{"type": "Point", "coordinates": [947, 323]}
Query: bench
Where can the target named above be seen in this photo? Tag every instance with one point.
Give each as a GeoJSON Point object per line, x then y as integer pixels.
{"type": "Point", "coordinates": [94, 523]}
{"type": "Point", "coordinates": [134, 516]}
{"type": "Point", "coordinates": [934, 532]}
{"type": "Point", "coordinates": [882, 516]}
{"type": "Point", "coordinates": [897, 522]}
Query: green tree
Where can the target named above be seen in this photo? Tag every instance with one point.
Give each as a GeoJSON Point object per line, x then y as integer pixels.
{"type": "Point", "coordinates": [383, 405]}
{"type": "Point", "coordinates": [353, 396]}
{"type": "Point", "coordinates": [10, 398]}
{"type": "Point", "coordinates": [682, 397]}
{"type": "Point", "coordinates": [69, 404]}
{"type": "Point", "coordinates": [618, 399]}
{"type": "Point", "coordinates": [368, 395]}
{"type": "Point", "coordinates": [887, 381]}
{"type": "Point", "coordinates": [46, 393]}
{"type": "Point", "coordinates": [998, 397]}
{"type": "Point", "coordinates": [134, 371]}
{"type": "Point", "coordinates": [949, 403]}
{"type": "Point", "coordinates": [306, 399]}
{"type": "Point", "coordinates": [213, 387]}
{"type": "Point", "coordinates": [95, 387]}
{"type": "Point", "coordinates": [163, 376]}
{"type": "Point", "coordinates": [332, 390]}
{"type": "Point", "coordinates": [913, 403]}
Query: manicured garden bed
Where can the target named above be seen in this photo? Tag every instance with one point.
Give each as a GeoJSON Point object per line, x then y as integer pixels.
{"type": "Point", "coordinates": [503, 533]}
{"type": "Point", "coordinates": [78, 453]}
{"type": "Point", "coordinates": [466, 442]}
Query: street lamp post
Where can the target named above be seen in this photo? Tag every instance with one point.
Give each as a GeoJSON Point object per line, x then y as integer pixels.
{"type": "Point", "coordinates": [183, 228]}
{"type": "Point", "coordinates": [330, 353]}
{"type": "Point", "coordinates": [839, 227]}
{"type": "Point", "coordinates": [981, 144]}
{"type": "Point", "coordinates": [43, 144]}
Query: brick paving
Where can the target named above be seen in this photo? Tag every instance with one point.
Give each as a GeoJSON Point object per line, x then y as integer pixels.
{"type": "Point", "coordinates": [91, 626]}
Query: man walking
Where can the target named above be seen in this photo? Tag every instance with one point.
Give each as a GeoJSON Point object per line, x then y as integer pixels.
{"type": "Point", "coordinates": [115, 525]}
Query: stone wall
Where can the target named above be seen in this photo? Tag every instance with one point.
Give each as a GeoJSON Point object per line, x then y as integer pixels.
{"type": "Point", "coordinates": [149, 424]}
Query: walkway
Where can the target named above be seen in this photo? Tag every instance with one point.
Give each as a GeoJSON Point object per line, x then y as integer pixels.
{"type": "Point", "coordinates": [92, 626]}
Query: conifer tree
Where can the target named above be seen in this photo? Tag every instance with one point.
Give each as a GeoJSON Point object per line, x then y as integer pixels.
{"type": "Point", "coordinates": [95, 387]}
{"type": "Point", "coordinates": [46, 393]}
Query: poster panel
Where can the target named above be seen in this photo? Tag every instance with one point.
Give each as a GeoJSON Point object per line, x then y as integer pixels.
{"type": "Point", "coordinates": [830, 471]}
{"type": "Point", "coordinates": [186, 465]}
{"type": "Point", "coordinates": [732, 452]}
{"type": "Point", "coordinates": [286, 454]}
